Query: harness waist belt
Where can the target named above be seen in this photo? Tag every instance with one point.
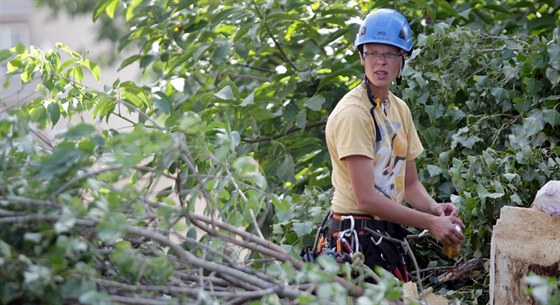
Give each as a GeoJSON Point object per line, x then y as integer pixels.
{"type": "Point", "coordinates": [335, 224]}
{"type": "Point", "coordinates": [356, 216]}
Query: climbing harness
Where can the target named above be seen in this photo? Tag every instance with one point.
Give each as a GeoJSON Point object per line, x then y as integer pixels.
{"type": "Point", "coordinates": [360, 241]}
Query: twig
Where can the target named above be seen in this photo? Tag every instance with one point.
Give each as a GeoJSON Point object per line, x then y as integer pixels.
{"type": "Point", "coordinates": [286, 133]}
{"type": "Point", "coordinates": [138, 300]}
{"type": "Point", "coordinates": [211, 266]}
{"type": "Point", "coordinates": [5, 200]}
{"type": "Point", "coordinates": [280, 289]}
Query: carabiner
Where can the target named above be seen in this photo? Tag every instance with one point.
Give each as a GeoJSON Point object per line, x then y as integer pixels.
{"type": "Point", "coordinates": [352, 223]}
{"type": "Point", "coordinates": [379, 240]}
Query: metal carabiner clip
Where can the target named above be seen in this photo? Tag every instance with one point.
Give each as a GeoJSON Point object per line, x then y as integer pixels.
{"type": "Point", "coordinates": [352, 222]}
{"type": "Point", "coordinates": [379, 240]}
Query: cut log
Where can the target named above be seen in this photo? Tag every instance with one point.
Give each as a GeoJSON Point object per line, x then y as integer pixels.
{"type": "Point", "coordinates": [523, 240]}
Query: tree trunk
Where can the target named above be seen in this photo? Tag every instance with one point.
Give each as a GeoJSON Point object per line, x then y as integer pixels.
{"type": "Point", "coordinates": [524, 240]}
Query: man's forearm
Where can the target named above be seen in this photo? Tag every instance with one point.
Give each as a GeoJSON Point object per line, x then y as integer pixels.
{"type": "Point", "coordinates": [417, 196]}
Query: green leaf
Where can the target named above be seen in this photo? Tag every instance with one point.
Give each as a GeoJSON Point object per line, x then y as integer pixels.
{"type": "Point", "coordinates": [39, 114]}
{"type": "Point", "coordinates": [54, 112]}
{"type": "Point", "coordinates": [5, 54]}
{"type": "Point", "coordinates": [77, 74]}
{"type": "Point", "coordinates": [498, 8]}
{"type": "Point", "coordinates": [61, 160]}
{"type": "Point", "coordinates": [304, 228]}
{"type": "Point", "coordinates": [105, 6]}
{"type": "Point", "coordinates": [130, 9]}
{"type": "Point", "coordinates": [434, 170]}
{"type": "Point", "coordinates": [66, 221]}
{"type": "Point", "coordinates": [335, 74]}
{"type": "Point", "coordinates": [94, 297]}
{"type": "Point", "coordinates": [129, 61]}
{"type": "Point", "coordinates": [280, 204]}
{"type": "Point", "coordinates": [483, 193]}
{"type": "Point", "coordinates": [28, 73]}
{"type": "Point", "coordinates": [36, 278]}
{"type": "Point", "coordinates": [111, 229]}
{"type": "Point", "coordinates": [225, 94]}
{"type": "Point", "coordinates": [533, 124]}
{"type": "Point", "coordinates": [78, 132]}
{"type": "Point", "coordinates": [94, 68]}
{"type": "Point", "coordinates": [551, 117]}
{"type": "Point", "coordinates": [163, 105]}
{"type": "Point", "coordinates": [554, 54]}
{"type": "Point", "coordinates": [249, 100]}
{"type": "Point", "coordinates": [315, 103]}
{"type": "Point", "coordinates": [301, 119]}
{"type": "Point", "coordinates": [553, 75]}
{"type": "Point", "coordinates": [5, 249]}
{"type": "Point", "coordinates": [111, 8]}
{"type": "Point", "coordinates": [286, 170]}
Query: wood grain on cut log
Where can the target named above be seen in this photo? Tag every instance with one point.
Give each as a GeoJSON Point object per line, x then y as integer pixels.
{"type": "Point", "coordinates": [523, 241]}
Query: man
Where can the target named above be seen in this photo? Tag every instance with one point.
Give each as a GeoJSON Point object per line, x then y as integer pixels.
{"type": "Point", "coordinates": [373, 144]}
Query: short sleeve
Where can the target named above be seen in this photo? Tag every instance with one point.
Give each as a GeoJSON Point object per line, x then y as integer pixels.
{"type": "Point", "coordinates": [353, 132]}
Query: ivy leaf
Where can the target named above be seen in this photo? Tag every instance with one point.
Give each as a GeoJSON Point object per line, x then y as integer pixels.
{"type": "Point", "coordinates": [303, 228]}
{"type": "Point", "coordinates": [553, 75]}
{"type": "Point", "coordinates": [551, 117]}
{"type": "Point", "coordinates": [533, 124]}
{"type": "Point", "coordinates": [483, 193]}
{"type": "Point", "coordinates": [434, 170]}
{"type": "Point", "coordinates": [554, 54]}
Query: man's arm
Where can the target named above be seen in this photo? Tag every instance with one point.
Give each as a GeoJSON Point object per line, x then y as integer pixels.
{"type": "Point", "coordinates": [417, 196]}
{"type": "Point", "coordinates": [370, 201]}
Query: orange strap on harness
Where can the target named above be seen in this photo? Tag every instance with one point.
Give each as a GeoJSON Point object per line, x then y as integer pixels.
{"type": "Point", "coordinates": [341, 217]}
{"type": "Point", "coordinates": [357, 216]}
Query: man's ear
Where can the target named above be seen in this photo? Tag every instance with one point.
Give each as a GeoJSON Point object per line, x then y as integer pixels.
{"type": "Point", "coordinates": [361, 58]}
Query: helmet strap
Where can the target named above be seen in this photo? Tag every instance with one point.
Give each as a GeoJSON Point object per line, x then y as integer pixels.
{"type": "Point", "coordinates": [399, 78]}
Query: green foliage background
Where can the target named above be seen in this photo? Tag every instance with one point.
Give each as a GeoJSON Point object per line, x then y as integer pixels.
{"type": "Point", "coordinates": [232, 112]}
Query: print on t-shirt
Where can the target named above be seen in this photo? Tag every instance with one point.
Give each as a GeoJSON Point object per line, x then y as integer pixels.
{"type": "Point", "coordinates": [389, 158]}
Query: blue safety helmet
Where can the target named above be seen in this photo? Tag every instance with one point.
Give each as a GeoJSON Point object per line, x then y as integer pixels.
{"type": "Point", "coordinates": [385, 26]}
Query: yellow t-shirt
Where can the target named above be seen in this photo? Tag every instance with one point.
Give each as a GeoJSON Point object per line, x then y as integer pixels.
{"type": "Point", "coordinates": [351, 131]}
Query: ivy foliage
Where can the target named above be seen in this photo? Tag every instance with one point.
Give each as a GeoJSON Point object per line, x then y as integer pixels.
{"type": "Point", "coordinates": [224, 148]}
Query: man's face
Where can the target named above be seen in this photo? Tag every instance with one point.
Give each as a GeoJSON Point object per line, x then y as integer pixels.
{"type": "Point", "coordinates": [382, 64]}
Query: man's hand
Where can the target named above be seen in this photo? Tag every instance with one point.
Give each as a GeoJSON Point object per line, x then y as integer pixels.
{"type": "Point", "coordinates": [443, 230]}
{"type": "Point", "coordinates": [445, 209]}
